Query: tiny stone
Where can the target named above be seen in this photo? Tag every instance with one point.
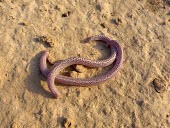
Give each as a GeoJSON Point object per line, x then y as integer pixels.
{"type": "Point", "coordinates": [80, 68]}
{"type": "Point", "coordinates": [68, 123]}
{"type": "Point", "coordinates": [160, 85]}
{"type": "Point", "coordinates": [14, 125]}
{"type": "Point", "coordinates": [75, 74]}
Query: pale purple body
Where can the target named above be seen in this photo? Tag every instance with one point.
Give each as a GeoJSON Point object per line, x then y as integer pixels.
{"type": "Point", "coordinates": [90, 63]}
{"type": "Point", "coordinates": [53, 75]}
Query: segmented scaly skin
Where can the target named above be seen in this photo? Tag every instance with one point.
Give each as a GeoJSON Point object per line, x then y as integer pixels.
{"type": "Point", "coordinates": [87, 62]}
{"type": "Point", "coordinates": [54, 73]}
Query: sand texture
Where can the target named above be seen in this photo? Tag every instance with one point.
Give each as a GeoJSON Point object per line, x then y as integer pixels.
{"type": "Point", "coordinates": [137, 96]}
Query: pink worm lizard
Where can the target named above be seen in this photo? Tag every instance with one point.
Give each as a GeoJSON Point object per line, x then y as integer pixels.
{"type": "Point", "coordinates": [91, 63]}
{"type": "Point", "coordinates": [53, 75]}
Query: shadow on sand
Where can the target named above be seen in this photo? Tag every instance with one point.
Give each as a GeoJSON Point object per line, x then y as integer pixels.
{"type": "Point", "coordinates": [33, 81]}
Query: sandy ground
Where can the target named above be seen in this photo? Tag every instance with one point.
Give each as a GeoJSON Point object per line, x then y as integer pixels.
{"type": "Point", "coordinates": [128, 100]}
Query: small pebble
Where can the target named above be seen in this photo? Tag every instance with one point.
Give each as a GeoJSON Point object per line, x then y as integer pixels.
{"type": "Point", "coordinates": [68, 123]}
{"type": "Point", "coordinates": [14, 125]}
{"type": "Point", "coordinates": [75, 74]}
{"type": "Point", "coordinates": [160, 85]}
{"type": "Point", "coordinates": [80, 68]}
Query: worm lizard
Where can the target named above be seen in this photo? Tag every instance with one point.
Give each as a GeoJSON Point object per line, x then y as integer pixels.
{"type": "Point", "coordinates": [53, 75]}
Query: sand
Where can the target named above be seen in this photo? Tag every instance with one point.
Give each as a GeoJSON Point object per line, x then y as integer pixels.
{"type": "Point", "coordinates": [131, 99]}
